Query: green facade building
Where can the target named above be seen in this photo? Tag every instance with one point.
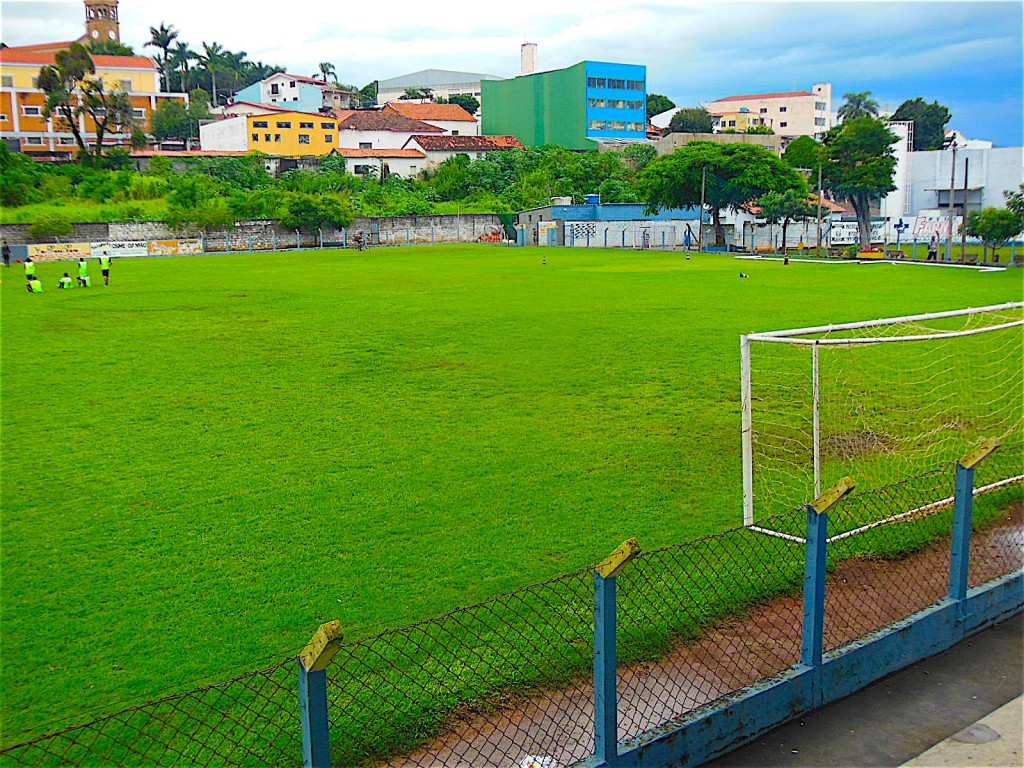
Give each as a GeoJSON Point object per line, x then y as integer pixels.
{"type": "Point", "coordinates": [572, 107]}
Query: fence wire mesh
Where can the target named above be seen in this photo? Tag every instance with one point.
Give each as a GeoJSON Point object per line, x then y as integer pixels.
{"type": "Point", "coordinates": [481, 686]}
{"type": "Point", "coordinates": [511, 677]}
{"type": "Point", "coordinates": [700, 620]}
{"type": "Point", "coordinates": [250, 720]}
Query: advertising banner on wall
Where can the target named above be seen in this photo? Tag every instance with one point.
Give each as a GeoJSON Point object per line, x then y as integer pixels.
{"type": "Point", "coordinates": [57, 251]}
{"type": "Point", "coordinates": [847, 233]}
{"type": "Point", "coordinates": [121, 248]}
{"type": "Point", "coordinates": [925, 227]}
{"type": "Point", "coordinates": [174, 247]}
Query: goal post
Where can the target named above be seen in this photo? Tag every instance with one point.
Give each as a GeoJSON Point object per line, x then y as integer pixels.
{"type": "Point", "coordinates": [879, 400]}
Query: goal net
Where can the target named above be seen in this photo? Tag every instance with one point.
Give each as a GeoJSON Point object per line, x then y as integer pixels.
{"type": "Point", "coordinates": [880, 401]}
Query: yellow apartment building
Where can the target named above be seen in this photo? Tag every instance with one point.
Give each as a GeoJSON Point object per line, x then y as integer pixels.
{"type": "Point", "coordinates": [281, 133]}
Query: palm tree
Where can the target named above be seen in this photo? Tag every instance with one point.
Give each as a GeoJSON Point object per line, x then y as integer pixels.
{"type": "Point", "coordinates": [235, 66]}
{"type": "Point", "coordinates": [180, 56]}
{"type": "Point", "coordinates": [327, 70]}
{"type": "Point", "coordinates": [161, 37]}
{"type": "Point", "coordinates": [211, 58]}
{"type": "Point", "coordinates": [858, 105]}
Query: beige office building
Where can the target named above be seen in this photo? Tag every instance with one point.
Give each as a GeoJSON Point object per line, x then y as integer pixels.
{"type": "Point", "coordinates": [788, 114]}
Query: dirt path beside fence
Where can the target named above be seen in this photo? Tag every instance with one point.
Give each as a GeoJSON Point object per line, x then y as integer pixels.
{"type": "Point", "coordinates": [863, 595]}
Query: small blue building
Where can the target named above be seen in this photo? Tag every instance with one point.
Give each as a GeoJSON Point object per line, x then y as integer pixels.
{"type": "Point", "coordinates": [613, 225]}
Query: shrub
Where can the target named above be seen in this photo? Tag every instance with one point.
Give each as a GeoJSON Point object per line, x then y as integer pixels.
{"type": "Point", "coordinates": [51, 225]}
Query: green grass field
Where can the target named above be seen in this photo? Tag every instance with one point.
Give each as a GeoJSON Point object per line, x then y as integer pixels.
{"type": "Point", "coordinates": [208, 458]}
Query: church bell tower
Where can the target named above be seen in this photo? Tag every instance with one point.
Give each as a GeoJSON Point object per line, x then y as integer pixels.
{"type": "Point", "coordinates": [101, 20]}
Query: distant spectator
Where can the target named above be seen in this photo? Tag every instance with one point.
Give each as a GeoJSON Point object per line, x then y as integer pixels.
{"type": "Point", "coordinates": [7, 254]}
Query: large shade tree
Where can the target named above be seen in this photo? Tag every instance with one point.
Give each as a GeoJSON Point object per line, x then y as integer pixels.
{"type": "Point", "coordinates": [993, 226]}
{"type": "Point", "coordinates": [732, 175]}
{"type": "Point", "coordinates": [73, 91]}
{"type": "Point", "coordinates": [929, 122]}
{"type": "Point", "coordinates": [691, 120]}
{"type": "Point", "coordinates": [656, 104]}
{"type": "Point", "coordinates": [859, 166]}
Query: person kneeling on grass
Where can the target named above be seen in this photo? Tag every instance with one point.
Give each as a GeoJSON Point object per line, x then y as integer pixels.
{"type": "Point", "coordinates": [65, 282]}
{"type": "Point", "coordinates": [34, 285]}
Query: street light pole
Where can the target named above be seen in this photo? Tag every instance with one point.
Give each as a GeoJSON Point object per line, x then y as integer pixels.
{"type": "Point", "coordinates": [952, 190]}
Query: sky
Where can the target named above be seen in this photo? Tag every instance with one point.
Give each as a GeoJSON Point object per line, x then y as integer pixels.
{"type": "Point", "coordinates": [968, 56]}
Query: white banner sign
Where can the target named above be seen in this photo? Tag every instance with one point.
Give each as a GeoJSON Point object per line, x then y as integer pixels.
{"type": "Point", "coordinates": [121, 248]}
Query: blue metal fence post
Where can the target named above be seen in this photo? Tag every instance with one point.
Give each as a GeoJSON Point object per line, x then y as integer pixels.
{"type": "Point", "coordinates": [606, 720]}
{"type": "Point", "coordinates": [812, 639]}
{"type": "Point", "coordinates": [963, 504]}
{"type": "Point", "coordinates": [316, 742]}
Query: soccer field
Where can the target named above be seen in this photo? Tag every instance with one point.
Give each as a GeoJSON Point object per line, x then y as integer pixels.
{"type": "Point", "coordinates": [211, 456]}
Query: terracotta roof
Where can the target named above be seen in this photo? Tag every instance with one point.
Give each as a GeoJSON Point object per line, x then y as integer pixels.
{"type": "Point", "coordinates": [22, 56]}
{"type": "Point", "coordinates": [466, 143]}
{"type": "Point", "coordinates": [829, 205]}
{"type": "Point", "coordinates": [385, 121]}
{"type": "Point", "coordinates": [261, 105]}
{"type": "Point", "coordinates": [749, 97]}
{"type": "Point", "coordinates": [431, 111]}
{"type": "Point", "coordinates": [356, 153]}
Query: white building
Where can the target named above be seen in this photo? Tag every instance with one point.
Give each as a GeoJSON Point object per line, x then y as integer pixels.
{"type": "Point", "coordinates": [789, 113]}
{"type": "Point", "coordinates": [442, 83]}
{"type": "Point", "coordinates": [379, 129]}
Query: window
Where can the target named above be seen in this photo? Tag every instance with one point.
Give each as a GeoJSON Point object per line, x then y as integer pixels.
{"type": "Point", "coordinates": [303, 138]}
{"type": "Point", "coordinates": [35, 82]}
{"type": "Point", "coordinates": [266, 137]}
{"type": "Point", "coordinates": [763, 110]}
{"type": "Point", "coordinates": [259, 124]}
{"type": "Point", "coordinates": [138, 113]}
{"type": "Point", "coordinates": [284, 124]}
{"type": "Point", "coordinates": [7, 81]}
{"type": "Point", "coordinates": [620, 84]}
{"type": "Point", "coordinates": [635, 127]}
{"type": "Point", "coordinates": [291, 84]}
{"type": "Point", "coordinates": [362, 170]}
{"type": "Point", "coordinates": [782, 109]}
{"type": "Point", "coordinates": [277, 137]}
{"type": "Point", "coordinates": [3, 118]}
{"type": "Point", "coordinates": [783, 124]}
{"type": "Point", "coordinates": [365, 145]}
{"type": "Point", "coordinates": [66, 141]}
{"type": "Point", "coordinates": [595, 102]}
{"type": "Point", "coordinates": [820, 106]}
{"type": "Point", "coordinates": [327, 126]}
{"type": "Point", "coordinates": [819, 121]}
{"type": "Point", "coordinates": [305, 125]}
{"type": "Point", "coordinates": [35, 141]}
{"type": "Point", "coordinates": [30, 111]}
{"type": "Point", "coordinates": [616, 125]}
{"type": "Point", "coordinates": [635, 85]}
{"type": "Point", "coordinates": [255, 137]}
{"type": "Point", "coordinates": [636, 105]}
{"type": "Point", "coordinates": [596, 82]}
{"type": "Point", "coordinates": [126, 85]}
{"type": "Point", "coordinates": [274, 89]}
{"type": "Point", "coordinates": [596, 125]}
{"type": "Point", "coordinates": [455, 133]}
{"type": "Point", "coordinates": [732, 123]}
{"type": "Point", "coordinates": [328, 138]}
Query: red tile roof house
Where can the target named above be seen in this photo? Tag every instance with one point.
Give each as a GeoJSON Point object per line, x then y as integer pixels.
{"type": "Point", "coordinates": [451, 118]}
{"type": "Point", "coordinates": [405, 163]}
{"type": "Point", "coordinates": [439, 148]}
{"type": "Point", "coordinates": [378, 129]}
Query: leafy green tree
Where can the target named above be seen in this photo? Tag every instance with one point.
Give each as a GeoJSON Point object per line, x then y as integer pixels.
{"type": "Point", "coordinates": [110, 48]}
{"type": "Point", "coordinates": [763, 130]}
{"type": "Point", "coordinates": [312, 212]}
{"type": "Point", "coordinates": [804, 152]}
{"type": "Point", "coordinates": [858, 105]}
{"type": "Point", "coordinates": [51, 225]}
{"type": "Point", "coordinates": [163, 37]}
{"type": "Point", "coordinates": [212, 60]}
{"type": "Point", "coordinates": [993, 226]}
{"type": "Point", "coordinates": [787, 206]}
{"type": "Point", "coordinates": [467, 101]}
{"type": "Point", "coordinates": [20, 178]}
{"type": "Point", "coordinates": [368, 95]}
{"type": "Point", "coordinates": [72, 91]}
{"type": "Point", "coordinates": [327, 71]}
{"type": "Point", "coordinates": [178, 61]}
{"type": "Point", "coordinates": [656, 104]}
{"type": "Point", "coordinates": [450, 180]}
{"type": "Point", "coordinates": [1015, 202]}
{"type": "Point", "coordinates": [859, 165]}
{"type": "Point", "coordinates": [170, 121]}
{"type": "Point", "coordinates": [929, 122]}
{"type": "Point", "coordinates": [640, 155]}
{"type": "Point", "coordinates": [733, 175]}
{"type": "Point", "coordinates": [139, 140]}
{"type": "Point", "coordinates": [691, 120]}
{"type": "Point", "coordinates": [417, 93]}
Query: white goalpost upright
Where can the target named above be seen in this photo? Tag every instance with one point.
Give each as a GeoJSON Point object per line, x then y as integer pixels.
{"type": "Point", "coordinates": [879, 400]}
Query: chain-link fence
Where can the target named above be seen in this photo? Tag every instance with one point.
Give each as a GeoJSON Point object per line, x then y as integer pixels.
{"type": "Point", "coordinates": [248, 720]}
{"type": "Point", "coordinates": [511, 678]}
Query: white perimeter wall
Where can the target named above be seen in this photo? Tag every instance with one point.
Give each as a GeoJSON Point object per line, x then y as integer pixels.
{"type": "Point", "coordinates": [229, 135]}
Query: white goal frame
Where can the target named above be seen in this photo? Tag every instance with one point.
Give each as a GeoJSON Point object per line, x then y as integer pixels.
{"type": "Point", "coordinates": [792, 337]}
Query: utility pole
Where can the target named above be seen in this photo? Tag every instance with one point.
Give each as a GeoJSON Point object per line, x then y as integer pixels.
{"type": "Point", "coordinates": [952, 191]}
{"type": "Point", "coordinates": [700, 224]}
{"type": "Point", "coordinates": [819, 210]}
{"type": "Point", "coordinates": [963, 235]}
